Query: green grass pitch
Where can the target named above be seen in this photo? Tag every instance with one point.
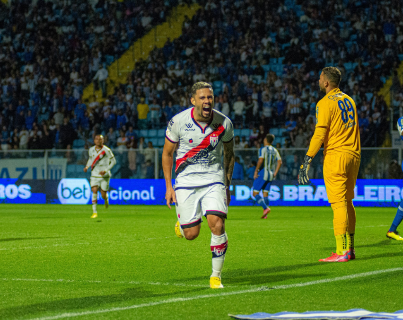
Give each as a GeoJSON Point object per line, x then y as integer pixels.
{"type": "Point", "coordinates": [57, 263]}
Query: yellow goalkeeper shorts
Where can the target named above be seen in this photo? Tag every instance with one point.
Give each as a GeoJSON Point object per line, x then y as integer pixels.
{"type": "Point", "coordinates": [340, 171]}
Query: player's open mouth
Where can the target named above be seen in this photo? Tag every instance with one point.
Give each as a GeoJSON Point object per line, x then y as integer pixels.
{"type": "Point", "coordinates": [207, 109]}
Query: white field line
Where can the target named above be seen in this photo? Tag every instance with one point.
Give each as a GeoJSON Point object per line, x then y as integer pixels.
{"type": "Point", "coordinates": [109, 282]}
{"type": "Point", "coordinates": [222, 294]}
{"type": "Point", "coordinates": [78, 243]}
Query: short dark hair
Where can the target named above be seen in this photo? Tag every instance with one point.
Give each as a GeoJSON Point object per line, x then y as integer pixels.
{"type": "Point", "coordinates": [333, 75]}
{"type": "Point", "coordinates": [270, 138]}
{"type": "Point", "coordinates": [198, 86]}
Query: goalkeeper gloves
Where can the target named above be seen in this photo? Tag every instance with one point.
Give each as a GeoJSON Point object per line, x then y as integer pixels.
{"type": "Point", "coordinates": [303, 171]}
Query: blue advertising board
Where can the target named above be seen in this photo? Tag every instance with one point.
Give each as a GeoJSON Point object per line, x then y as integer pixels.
{"type": "Point", "coordinates": [368, 193]}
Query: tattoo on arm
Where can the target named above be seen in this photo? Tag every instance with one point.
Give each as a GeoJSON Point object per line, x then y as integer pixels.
{"type": "Point", "coordinates": [229, 162]}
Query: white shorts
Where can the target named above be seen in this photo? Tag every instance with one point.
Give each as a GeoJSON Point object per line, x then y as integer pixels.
{"type": "Point", "coordinates": [103, 183]}
{"type": "Point", "coordinates": [192, 204]}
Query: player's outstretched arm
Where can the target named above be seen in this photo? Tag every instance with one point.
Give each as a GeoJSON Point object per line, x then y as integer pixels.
{"type": "Point", "coordinates": [167, 163]}
{"type": "Point", "coordinates": [229, 162]}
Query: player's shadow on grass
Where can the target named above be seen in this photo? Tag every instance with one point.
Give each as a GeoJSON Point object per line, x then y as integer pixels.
{"type": "Point", "coordinates": [382, 255]}
{"type": "Point", "coordinates": [263, 275]}
{"type": "Point", "coordinates": [128, 297]}
{"type": "Point", "coordinates": [21, 239]}
{"type": "Point", "coordinates": [387, 242]}
{"type": "Point", "coordinates": [267, 279]}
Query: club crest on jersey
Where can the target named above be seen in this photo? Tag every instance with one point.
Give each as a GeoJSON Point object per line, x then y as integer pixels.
{"type": "Point", "coordinates": [213, 140]}
{"type": "Point", "coordinates": [190, 140]}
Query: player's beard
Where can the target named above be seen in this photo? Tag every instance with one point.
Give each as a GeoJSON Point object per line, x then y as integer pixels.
{"type": "Point", "coordinates": [322, 88]}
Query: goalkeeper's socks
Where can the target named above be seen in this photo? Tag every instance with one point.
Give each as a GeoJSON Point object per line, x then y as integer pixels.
{"type": "Point", "coordinates": [218, 247]}
{"type": "Point", "coordinates": [398, 218]}
{"type": "Point", "coordinates": [266, 201]}
{"type": "Point", "coordinates": [94, 202]}
{"type": "Point", "coordinates": [341, 244]}
{"type": "Point", "coordinates": [260, 201]}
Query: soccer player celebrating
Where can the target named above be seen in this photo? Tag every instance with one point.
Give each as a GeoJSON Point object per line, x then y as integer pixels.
{"type": "Point", "coordinates": [392, 233]}
{"type": "Point", "coordinates": [202, 183]}
{"type": "Point", "coordinates": [101, 160]}
{"type": "Point", "coordinates": [271, 160]}
{"type": "Point", "coordinates": [337, 128]}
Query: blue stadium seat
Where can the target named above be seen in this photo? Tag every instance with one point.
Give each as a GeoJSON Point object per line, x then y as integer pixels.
{"type": "Point", "coordinates": [245, 133]}
{"type": "Point", "coordinates": [152, 133]}
{"type": "Point", "coordinates": [161, 142]}
{"type": "Point", "coordinates": [274, 131]}
{"type": "Point", "coordinates": [400, 57]}
{"type": "Point", "coordinates": [78, 143]}
{"type": "Point", "coordinates": [171, 63]}
{"type": "Point", "coordinates": [161, 133]}
{"type": "Point", "coordinates": [109, 59]}
{"type": "Point", "coordinates": [237, 132]}
{"type": "Point", "coordinates": [267, 67]}
{"type": "Point", "coordinates": [273, 61]}
{"type": "Point", "coordinates": [281, 131]}
{"type": "Point", "coordinates": [283, 141]}
{"type": "Point", "coordinates": [369, 95]}
{"type": "Point", "coordinates": [143, 133]}
{"type": "Point", "coordinates": [154, 141]}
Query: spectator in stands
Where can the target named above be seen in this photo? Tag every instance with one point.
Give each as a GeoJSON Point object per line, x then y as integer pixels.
{"type": "Point", "coordinates": [238, 170]}
{"type": "Point", "coordinates": [70, 155]}
{"type": "Point", "coordinates": [244, 144]}
{"type": "Point", "coordinates": [148, 170]}
{"type": "Point", "coordinates": [149, 152]}
{"type": "Point", "coordinates": [142, 111]}
{"type": "Point", "coordinates": [251, 170]}
{"type": "Point", "coordinates": [100, 79]}
{"type": "Point", "coordinates": [239, 108]}
{"type": "Point", "coordinates": [301, 139]}
{"type": "Point", "coordinates": [67, 134]}
{"type": "Point", "coordinates": [23, 136]}
{"type": "Point", "coordinates": [111, 138]}
{"type": "Point", "coordinates": [58, 117]}
{"type": "Point", "coordinates": [155, 112]}
{"type": "Point", "coordinates": [122, 141]}
{"type": "Point", "coordinates": [237, 143]}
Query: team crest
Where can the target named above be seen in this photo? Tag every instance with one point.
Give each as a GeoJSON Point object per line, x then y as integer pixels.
{"type": "Point", "coordinates": [213, 140]}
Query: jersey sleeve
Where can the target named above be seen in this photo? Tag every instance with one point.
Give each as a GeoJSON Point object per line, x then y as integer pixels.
{"type": "Point", "coordinates": [278, 157]}
{"type": "Point", "coordinates": [172, 132]}
{"type": "Point", "coordinates": [229, 132]}
{"type": "Point", "coordinates": [323, 114]}
{"type": "Point", "coordinates": [262, 152]}
{"type": "Point", "coordinates": [89, 162]}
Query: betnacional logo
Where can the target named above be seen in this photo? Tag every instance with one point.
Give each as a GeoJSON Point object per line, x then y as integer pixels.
{"type": "Point", "coordinates": [74, 191]}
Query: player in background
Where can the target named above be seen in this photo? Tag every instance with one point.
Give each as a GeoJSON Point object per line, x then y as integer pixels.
{"type": "Point", "coordinates": [392, 233]}
{"type": "Point", "coordinates": [202, 182]}
{"type": "Point", "coordinates": [101, 161]}
{"type": "Point", "coordinates": [337, 128]}
{"type": "Point", "coordinates": [271, 160]}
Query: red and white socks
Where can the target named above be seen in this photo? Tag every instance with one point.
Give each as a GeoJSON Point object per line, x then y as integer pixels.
{"type": "Point", "coordinates": [218, 247]}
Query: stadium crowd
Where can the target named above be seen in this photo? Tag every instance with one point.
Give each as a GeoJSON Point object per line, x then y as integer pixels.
{"type": "Point", "coordinates": [262, 57]}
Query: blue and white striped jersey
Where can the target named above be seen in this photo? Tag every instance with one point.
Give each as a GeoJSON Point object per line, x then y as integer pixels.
{"type": "Point", "coordinates": [270, 157]}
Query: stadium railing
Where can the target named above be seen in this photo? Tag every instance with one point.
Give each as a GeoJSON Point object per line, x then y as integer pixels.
{"type": "Point", "coordinates": [146, 163]}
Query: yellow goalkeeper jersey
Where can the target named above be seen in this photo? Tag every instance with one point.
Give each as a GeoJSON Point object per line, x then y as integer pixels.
{"type": "Point", "coordinates": [336, 125]}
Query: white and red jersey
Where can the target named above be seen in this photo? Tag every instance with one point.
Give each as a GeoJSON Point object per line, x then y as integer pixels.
{"type": "Point", "coordinates": [100, 160]}
{"type": "Point", "coordinates": [198, 157]}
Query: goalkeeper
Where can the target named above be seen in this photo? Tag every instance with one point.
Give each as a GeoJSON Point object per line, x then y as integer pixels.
{"type": "Point", "coordinates": [392, 233]}
{"type": "Point", "coordinates": [337, 128]}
